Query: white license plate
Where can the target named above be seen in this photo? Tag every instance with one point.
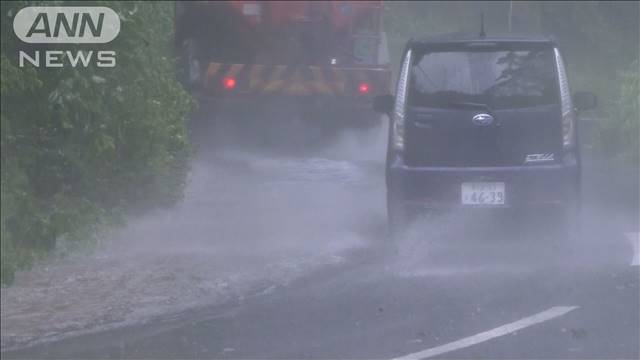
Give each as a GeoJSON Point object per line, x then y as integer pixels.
{"type": "Point", "coordinates": [483, 193]}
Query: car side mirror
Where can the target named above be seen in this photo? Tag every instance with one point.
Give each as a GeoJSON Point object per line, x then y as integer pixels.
{"type": "Point", "coordinates": [584, 100]}
{"type": "Point", "coordinates": [383, 104]}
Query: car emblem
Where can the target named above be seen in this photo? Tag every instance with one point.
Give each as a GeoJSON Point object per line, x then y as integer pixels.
{"type": "Point", "coordinates": [537, 158]}
{"type": "Point", "coordinates": [482, 119]}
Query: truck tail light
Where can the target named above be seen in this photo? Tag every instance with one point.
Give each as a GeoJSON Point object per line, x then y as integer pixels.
{"type": "Point", "coordinates": [364, 88]}
{"type": "Point", "coordinates": [229, 83]}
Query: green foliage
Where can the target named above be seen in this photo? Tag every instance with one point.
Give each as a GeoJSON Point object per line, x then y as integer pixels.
{"type": "Point", "coordinates": [81, 146]}
{"type": "Point", "coordinates": [620, 131]}
{"type": "Point", "coordinates": [630, 110]}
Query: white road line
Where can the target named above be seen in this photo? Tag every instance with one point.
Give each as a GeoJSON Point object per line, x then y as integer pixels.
{"type": "Point", "coordinates": [546, 315]}
{"type": "Point", "coordinates": [634, 238]}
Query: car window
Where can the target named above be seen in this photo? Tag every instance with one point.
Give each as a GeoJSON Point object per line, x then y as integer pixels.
{"type": "Point", "coordinates": [500, 79]}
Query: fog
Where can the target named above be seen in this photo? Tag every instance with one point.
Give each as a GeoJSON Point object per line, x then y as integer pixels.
{"type": "Point", "coordinates": [254, 220]}
{"type": "Point", "coordinates": [280, 245]}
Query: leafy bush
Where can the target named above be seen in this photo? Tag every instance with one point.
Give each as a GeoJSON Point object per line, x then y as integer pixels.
{"type": "Point", "coordinates": [81, 146]}
{"type": "Point", "coordinates": [619, 132]}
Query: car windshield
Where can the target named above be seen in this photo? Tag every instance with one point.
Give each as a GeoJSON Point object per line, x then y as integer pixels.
{"type": "Point", "coordinates": [497, 78]}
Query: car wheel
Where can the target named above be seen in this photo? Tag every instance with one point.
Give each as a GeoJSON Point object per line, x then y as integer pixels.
{"type": "Point", "coordinates": [562, 225]}
{"type": "Point", "coordinates": [570, 227]}
{"type": "Point", "coordinates": [397, 220]}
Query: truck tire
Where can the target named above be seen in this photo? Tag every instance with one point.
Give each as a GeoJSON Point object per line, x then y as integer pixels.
{"type": "Point", "coordinates": [193, 67]}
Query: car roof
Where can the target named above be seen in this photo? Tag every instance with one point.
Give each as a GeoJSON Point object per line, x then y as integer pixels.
{"type": "Point", "coordinates": [461, 38]}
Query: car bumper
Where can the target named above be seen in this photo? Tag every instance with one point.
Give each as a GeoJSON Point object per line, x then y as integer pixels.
{"type": "Point", "coordinates": [526, 187]}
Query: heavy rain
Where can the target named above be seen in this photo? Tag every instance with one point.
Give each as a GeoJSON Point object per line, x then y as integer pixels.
{"type": "Point", "coordinates": [320, 179]}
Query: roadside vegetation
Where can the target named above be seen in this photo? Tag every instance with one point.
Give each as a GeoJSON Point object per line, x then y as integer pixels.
{"type": "Point", "coordinates": [82, 147]}
{"type": "Point", "coordinates": [600, 41]}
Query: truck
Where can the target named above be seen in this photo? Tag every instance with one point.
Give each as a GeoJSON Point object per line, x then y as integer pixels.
{"type": "Point", "coordinates": [320, 62]}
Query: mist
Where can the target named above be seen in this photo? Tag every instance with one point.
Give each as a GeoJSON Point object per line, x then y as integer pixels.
{"type": "Point", "coordinates": [240, 197]}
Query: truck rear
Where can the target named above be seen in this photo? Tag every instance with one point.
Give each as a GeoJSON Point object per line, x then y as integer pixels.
{"type": "Point", "coordinates": [322, 61]}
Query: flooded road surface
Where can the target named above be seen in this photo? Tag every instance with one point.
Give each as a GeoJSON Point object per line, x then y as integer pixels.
{"type": "Point", "coordinates": [249, 223]}
{"type": "Point", "coordinates": [283, 257]}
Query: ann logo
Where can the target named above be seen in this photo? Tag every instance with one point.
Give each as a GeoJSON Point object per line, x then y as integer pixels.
{"type": "Point", "coordinates": [61, 24]}
{"type": "Point", "coordinates": [66, 25]}
{"type": "Point", "coordinates": [42, 25]}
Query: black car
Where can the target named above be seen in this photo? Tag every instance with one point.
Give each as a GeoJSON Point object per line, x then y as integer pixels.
{"type": "Point", "coordinates": [482, 122]}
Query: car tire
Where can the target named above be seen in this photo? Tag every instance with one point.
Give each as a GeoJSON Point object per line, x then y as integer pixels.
{"type": "Point", "coordinates": [570, 226]}
{"type": "Point", "coordinates": [562, 225]}
{"type": "Point", "coordinates": [397, 220]}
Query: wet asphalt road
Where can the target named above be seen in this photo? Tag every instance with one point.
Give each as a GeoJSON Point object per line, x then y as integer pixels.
{"type": "Point", "coordinates": [366, 313]}
{"type": "Point", "coordinates": [451, 279]}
